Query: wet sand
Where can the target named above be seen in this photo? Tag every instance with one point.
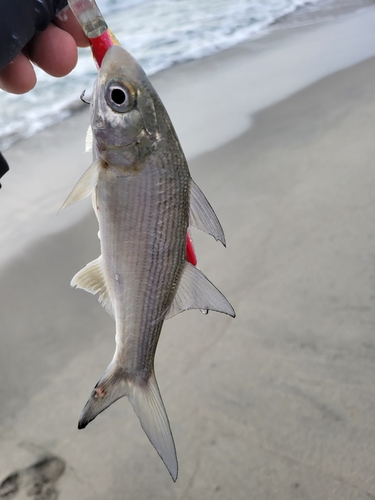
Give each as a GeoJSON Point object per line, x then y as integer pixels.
{"type": "Point", "coordinates": [278, 403]}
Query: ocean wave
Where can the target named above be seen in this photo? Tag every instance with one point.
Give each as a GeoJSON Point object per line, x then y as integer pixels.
{"type": "Point", "coordinates": [159, 33]}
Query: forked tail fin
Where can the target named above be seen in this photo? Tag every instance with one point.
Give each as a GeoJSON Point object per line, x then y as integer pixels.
{"type": "Point", "coordinates": [111, 387]}
{"type": "Point", "coordinates": [146, 400]}
{"type": "Point", "coordinates": [148, 405]}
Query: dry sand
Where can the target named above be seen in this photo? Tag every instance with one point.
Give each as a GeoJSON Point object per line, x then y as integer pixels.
{"type": "Point", "coordinates": [276, 404]}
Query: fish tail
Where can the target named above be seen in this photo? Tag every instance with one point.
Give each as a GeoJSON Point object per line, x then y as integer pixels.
{"type": "Point", "coordinates": [144, 395]}
{"type": "Point", "coordinates": [147, 403]}
{"type": "Point", "coordinates": [112, 386]}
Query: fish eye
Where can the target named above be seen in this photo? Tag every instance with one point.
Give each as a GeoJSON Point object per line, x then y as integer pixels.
{"type": "Point", "coordinates": [118, 97]}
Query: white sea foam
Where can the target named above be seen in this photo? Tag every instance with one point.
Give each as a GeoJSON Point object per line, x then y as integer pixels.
{"type": "Point", "coordinates": [159, 33]}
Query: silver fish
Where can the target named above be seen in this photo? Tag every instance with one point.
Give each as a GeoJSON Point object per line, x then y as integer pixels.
{"type": "Point", "coordinates": [145, 201]}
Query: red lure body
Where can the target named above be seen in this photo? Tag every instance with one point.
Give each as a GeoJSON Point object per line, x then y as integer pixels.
{"type": "Point", "coordinates": [100, 45]}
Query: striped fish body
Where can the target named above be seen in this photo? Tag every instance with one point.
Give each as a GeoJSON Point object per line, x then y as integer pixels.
{"type": "Point", "coordinates": [145, 201]}
{"type": "Point", "coordinates": [143, 221]}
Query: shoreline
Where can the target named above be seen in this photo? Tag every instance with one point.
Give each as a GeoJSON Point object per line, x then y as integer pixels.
{"type": "Point", "coordinates": [278, 403]}
{"type": "Point", "coordinates": [295, 401]}
{"type": "Point", "coordinates": [193, 93]}
{"type": "Point", "coordinates": [305, 16]}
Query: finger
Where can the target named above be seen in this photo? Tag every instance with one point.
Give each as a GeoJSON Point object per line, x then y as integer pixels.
{"type": "Point", "coordinates": [53, 50]}
{"type": "Point", "coordinates": [19, 76]}
{"type": "Point", "coordinates": [67, 21]}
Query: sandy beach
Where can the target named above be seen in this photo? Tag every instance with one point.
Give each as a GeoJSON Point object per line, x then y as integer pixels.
{"type": "Point", "coordinates": [278, 403]}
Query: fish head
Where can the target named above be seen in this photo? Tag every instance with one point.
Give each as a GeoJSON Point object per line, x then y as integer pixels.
{"type": "Point", "coordinates": [123, 118]}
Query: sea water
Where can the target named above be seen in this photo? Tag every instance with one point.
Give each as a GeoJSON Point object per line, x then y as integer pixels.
{"type": "Point", "coordinates": [159, 34]}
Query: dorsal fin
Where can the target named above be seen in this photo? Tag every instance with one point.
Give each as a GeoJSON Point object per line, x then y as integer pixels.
{"type": "Point", "coordinates": [195, 291]}
{"type": "Point", "coordinates": [91, 278]}
{"type": "Point", "coordinates": [202, 215]}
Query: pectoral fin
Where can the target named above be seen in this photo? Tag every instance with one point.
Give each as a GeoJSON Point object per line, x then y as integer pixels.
{"type": "Point", "coordinates": [195, 291]}
{"type": "Point", "coordinates": [91, 278]}
{"type": "Point", "coordinates": [202, 215]}
{"type": "Point", "coordinates": [89, 140]}
{"type": "Point", "coordinates": [85, 185]}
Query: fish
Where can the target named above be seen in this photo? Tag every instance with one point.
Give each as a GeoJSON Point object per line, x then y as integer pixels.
{"type": "Point", "coordinates": [146, 202]}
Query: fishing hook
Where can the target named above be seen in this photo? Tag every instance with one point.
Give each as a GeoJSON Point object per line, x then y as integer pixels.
{"type": "Point", "coordinates": [82, 97]}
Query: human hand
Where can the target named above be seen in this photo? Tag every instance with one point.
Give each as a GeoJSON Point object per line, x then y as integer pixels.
{"type": "Point", "coordinates": [53, 50]}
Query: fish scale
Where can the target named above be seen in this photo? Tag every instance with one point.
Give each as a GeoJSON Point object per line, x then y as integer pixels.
{"type": "Point", "coordinates": [145, 202]}
{"type": "Point", "coordinates": [145, 252]}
